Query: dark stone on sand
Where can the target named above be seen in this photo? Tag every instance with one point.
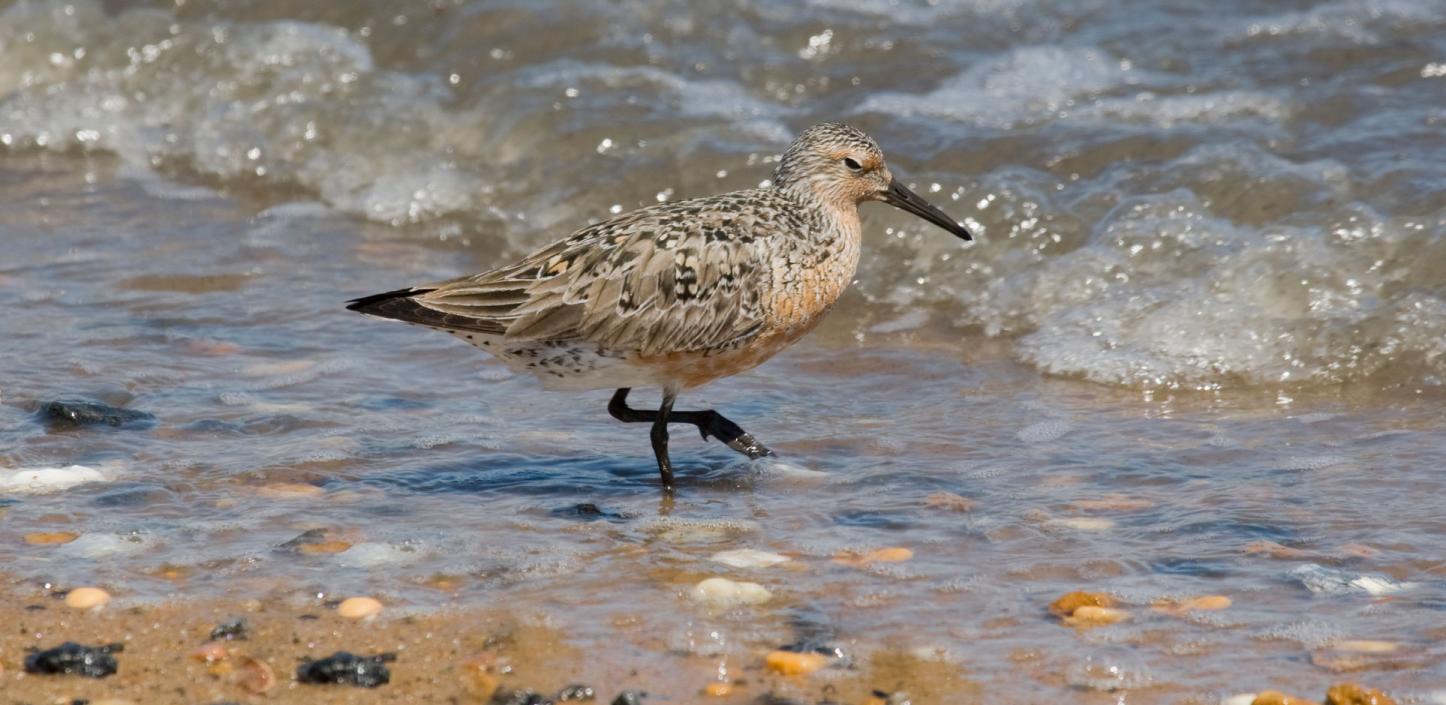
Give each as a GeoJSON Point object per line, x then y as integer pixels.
{"type": "Point", "coordinates": [75, 413]}
{"type": "Point", "coordinates": [574, 693]}
{"type": "Point", "coordinates": [310, 536]}
{"type": "Point", "coordinates": [342, 668]}
{"type": "Point", "coordinates": [587, 511]}
{"type": "Point", "coordinates": [630, 697]}
{"type": "Point", "coordinates": [898, 697]}
{"type": "Point", "coordinates": [75, 659]}
{"type": "Point", "coordinates": [229, 630]}
{"type": "Point", "coordinates": [519, 697]}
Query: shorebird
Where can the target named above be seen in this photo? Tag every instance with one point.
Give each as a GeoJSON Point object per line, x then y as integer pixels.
{"type": "Point", "coordinates": [678, 294]}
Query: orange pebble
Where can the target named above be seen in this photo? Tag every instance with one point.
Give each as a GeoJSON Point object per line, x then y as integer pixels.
{"type": "Point", "coordinates": [717, 690]}
{"type": "Point", "coordinates": [790, 663]}
{"type": "Point", "coordinates": [896, 554]}
{"type": "Point", "coordinates": [1091, 616]}
{"type": "Point", "coordinates": [1352, 694]}
{"type": "Point", "coordinates": [48, 538]}
{"type": "Point", "coordinates": [312, 549]}
{"type": "Point", "coordinates": [1069, 602]}
{"type": "Point", "coordinates": [1275, 697]}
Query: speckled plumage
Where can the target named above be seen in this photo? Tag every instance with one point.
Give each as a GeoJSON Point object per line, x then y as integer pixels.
{"type": "Point", "coordinates": [678, 294]}
{"type": "Point", "coordinates": [628, 301]}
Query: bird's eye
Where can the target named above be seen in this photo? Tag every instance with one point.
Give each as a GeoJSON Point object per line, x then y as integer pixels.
{"type": "Point", "coordinates": [852, 165]}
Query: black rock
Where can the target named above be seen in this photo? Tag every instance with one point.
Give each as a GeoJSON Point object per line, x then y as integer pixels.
{"type": "Point", "coordinates": [229, 630]}
{"type": "Point", "coordinates": [630, 697]}
{"type": "Point", "coordinates": [519, 697]}
{"type": "Point", "coordinates": [576, 692]}
{"type": "Point", "coordinates": [74, 413]}
{"type": "Point", "coordinates": [347, 669]}
{"type": "Point", "coordinates": [71, 658]}
{"type": "Point", "coordinates": [897, 697]}
{"type": "Point", "coordinates": [310, 536]}
{"type": "Point", "coordinates": [587, 511]}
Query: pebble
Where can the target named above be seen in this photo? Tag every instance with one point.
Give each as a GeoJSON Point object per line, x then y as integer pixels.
{"type": "Point", "coordinates": [1084, 523]}
{"type": "Point", "coordinates": [896, 554]}
{"type": "Point", "coordinates": [1352, 694]}
{"type": "Point", "coordinates": [74, 413]}
{"type": "Point", "coordinates": [1242, 699]}
{"type": "Point", "coordinates": [722, 592]}
{"type": "Point", "coordinates": [323, 547]}
{"type": "Point", "coordinates": [629, 697]}
{"type": "Point", "coordinates": [526, 696]}
{"type": "Point", "coordinates": [105, 545]}
{"type": "Point", "coordinates": [1069, 602]}
{"type": "Point", "coordinates": [85, 598]}
{"type": "Point", "coordinates": [1275, 697]}
{"type": "Point", "coordinates": [211, 652]}
{"type": "Point", "coordinates": [230, 629]}
{"type": "Point", "coordinates": [252, 674]}
{"type": "Point", "coordinates": [1366, 646]}
{"type": "Point", "coordinates": [1112, 503]}
{"type": "Point", "coordinates": [359, 607]}
{"type": "Point", "coordinates": [1206, 603]}
{"type": "Point", "coordinates": [46, 480]}
{"type": "Point", "coordinates": [1332, 581]}
{"type": "Point", "coordinates": [347, 669]}
{"type": "Point", "coordinates": [791, 663]}
{"type": "Point", "coordinates": [289, 490]}
{"type": "Point", "coordinates": [1091, 616]}
{"type": "Point", "coordinates": [576, 693]}
{"type": "Point", "coordinates": [748, 558]}
{"type": "Point", "coordinates": [50, 538]}
{"type": "Point", "coordinates": [718, 690]}
{"type": "Point", "coordinates": [949, 501]}
{"type": "Point", "coordinates": [478, 677]}
{"type": "Point", "coordinates": [71, 658]}
{"type": "Point", "coordinates": [1272, 549]}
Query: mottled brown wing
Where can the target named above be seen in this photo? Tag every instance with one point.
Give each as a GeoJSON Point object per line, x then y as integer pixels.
{"type": "Point", "coordinates": [663, 279]}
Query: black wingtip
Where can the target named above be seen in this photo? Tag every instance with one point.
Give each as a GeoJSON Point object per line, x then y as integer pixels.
{"type": "Point", "coordinates": [367, 304]}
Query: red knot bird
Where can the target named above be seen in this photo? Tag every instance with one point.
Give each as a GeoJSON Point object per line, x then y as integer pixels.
{"type": "Point", "coordinates": [678, 294]}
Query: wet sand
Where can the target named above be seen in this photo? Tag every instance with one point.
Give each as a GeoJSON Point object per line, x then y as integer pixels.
{"type": "Point", "coordinates": [447, 655]}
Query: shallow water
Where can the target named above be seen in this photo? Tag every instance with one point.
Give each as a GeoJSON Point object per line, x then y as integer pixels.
{"type": "Point", "coordinates": [1206, 311]}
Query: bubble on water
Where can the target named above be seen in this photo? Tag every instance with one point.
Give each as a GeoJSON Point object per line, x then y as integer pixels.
{"type": "Point", "coordinates": [378, 555]}
{"type": "Point", "coordinates": [678, 530]}
{"type": "Point", "coordinates": [1108, 671]}
{"type": "Point", "coordinates": [1044, 431]}
{"type": "Point", "coordinates": [1313, 462]}
{"type": "Point", "coordinates": [1310, 634]}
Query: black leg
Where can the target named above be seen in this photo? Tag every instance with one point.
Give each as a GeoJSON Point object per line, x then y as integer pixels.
{"type": "Point", "coordinates": [660, 440]}
{"type": "Point", "coordinates": [731, 434]}
{"type": "Point", "coordinates": [709, 423]}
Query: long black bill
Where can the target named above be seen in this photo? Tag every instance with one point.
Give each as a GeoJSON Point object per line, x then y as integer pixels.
{"type": "Point", "coordinates": [908, 201]}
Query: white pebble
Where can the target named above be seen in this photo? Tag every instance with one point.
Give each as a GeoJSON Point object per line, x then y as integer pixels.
{"type": "Point", "coordinates": [359, 607]}
{"type": "Point", "coordinates": [748, 558]}
{"type": "Point", "coordinates": [722, 592]}
{"type": "Point", "coordinates": [1241, 699]}
{"type": "Point", "coordinates": [1084, 523]}
{"type": "Point", "coordinates": [376, 555]}
{"type": "Point", "coordinates": [104, 545]}
{"type": "Point", "coordinates": [44, 480]}
{"type": "Point", "coordinates": [85, 598]}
